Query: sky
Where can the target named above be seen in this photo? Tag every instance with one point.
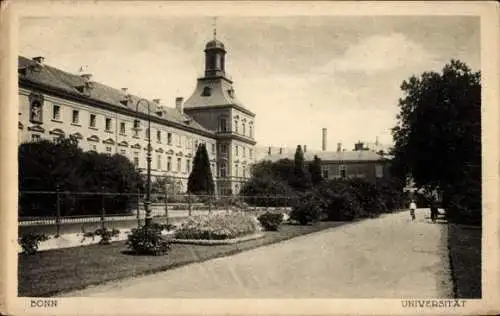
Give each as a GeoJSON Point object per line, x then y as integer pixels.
{"type": "Point", "coordinates": [299, 74]}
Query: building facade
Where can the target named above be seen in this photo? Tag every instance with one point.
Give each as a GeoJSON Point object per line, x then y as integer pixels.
{"type": "Point", "coordinates": [344, 164]}
{"type": "Point", "coordinates": [54, 103]}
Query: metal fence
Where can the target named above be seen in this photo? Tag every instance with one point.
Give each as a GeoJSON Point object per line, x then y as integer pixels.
{"type": "Point", "coordinates": [60, 212]}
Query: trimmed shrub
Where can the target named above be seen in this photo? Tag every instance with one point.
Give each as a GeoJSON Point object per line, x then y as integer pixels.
{"type": "Point", "coordinates": [218, 226]}
{"type": "Point", "coordinates": [266, 191]}
{"type": "Point", "coordinates": [30, 242]}
{"type": "Point", "coordinates": [271, 221]}
{"type": "Point", "coordinates": [369, 197]}
{"type": "Point", "coordinates": [307, 208]}
{"type": "Point", "coordinates": [105, 234]}
{"type": "Point", "coordinates": [148, 240]}
{"type": "Point", "coordinates": [340, 200]}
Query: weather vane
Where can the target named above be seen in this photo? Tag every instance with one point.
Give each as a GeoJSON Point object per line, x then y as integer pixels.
{"type": "Point", "coordinates": [215, 27]}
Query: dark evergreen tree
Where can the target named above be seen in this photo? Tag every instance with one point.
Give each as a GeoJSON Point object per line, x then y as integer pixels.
{"type": "Point", "coordinates": [200, 179]}
{"type": "Point", "coordinates": [315, 171]}
{"type": "Point", "coordinates": [301, 179]}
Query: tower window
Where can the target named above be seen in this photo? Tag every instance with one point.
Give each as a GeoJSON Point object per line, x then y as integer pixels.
{"type": "Point", "coordinates": [207, 91]}
{"type": "Point", "coordinates": [223, 125]}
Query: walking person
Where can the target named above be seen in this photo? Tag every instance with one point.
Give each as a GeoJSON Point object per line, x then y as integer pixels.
{"type": "Point", "coordinates": [434, 211]}
{"type": "Point", "coordinates": [413, 207]}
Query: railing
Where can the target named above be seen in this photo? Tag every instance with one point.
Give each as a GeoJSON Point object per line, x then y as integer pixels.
{"type": "Point", "coordinates": [56, 210]}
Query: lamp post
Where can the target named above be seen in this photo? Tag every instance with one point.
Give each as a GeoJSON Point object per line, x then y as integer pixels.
{"type": "Point", "coordinates": [147, 202]}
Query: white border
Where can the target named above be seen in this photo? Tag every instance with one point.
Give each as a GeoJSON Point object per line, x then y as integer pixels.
{"type": "Point", "coordinates": [8, 141]}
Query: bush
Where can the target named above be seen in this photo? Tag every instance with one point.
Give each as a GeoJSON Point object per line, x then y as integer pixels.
{"type": "Point", "coordinates": [266, 191]}
{"type": "Point", "coordinates": [271, 221]}
{"type": "Point", "coordinates": [30, 242]}
{"type": "Point", "coordinates": [369, 197]}
{"type": "Point", "coordinates": [341, 203]}
{"type": "Point", "coordinates": [105, 234]}
{"type": "Point", "coordinates": [307, 208]}
{"type": "Point", "coordinates": [218, 226]}
{"type": "Point", "coordinates": [391, 192]}
{"type": "Point", "coordinates": [148, 240]}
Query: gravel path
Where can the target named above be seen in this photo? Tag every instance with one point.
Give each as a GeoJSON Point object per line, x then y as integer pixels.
{"type": "Point", "coordinates": [387, 257]}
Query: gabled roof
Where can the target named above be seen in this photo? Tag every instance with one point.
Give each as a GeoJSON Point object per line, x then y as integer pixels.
{"type": "Point", "coordinates": [361, 155]}
{"type": "Point", "coordinates": [55, 78]}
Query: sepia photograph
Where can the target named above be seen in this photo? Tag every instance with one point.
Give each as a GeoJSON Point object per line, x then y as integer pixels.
{"type": "Point", "coordinates": [251, 156]}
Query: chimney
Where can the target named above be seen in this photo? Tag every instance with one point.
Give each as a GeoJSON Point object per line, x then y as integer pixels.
{"type": "Point", "coordinates": [305, 148]}
{"type": "Point", "coordinates": [339, 147]}
{"type": "Point", "coordinates": [39, 59]}
{"type": "Point", "coordinates": [179, 105]}
{"type": "Point", "coordinates": [281, 150]}
{"type": "Point", "coordinates": [323, 147]}
{"type": "Point", "coordinates": [269, 151]}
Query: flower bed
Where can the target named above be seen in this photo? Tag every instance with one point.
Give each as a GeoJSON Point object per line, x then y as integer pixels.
{"type": "Point", "coordinates": [216, 242]}
{"type": "Point", "coordinates": [218, 227]}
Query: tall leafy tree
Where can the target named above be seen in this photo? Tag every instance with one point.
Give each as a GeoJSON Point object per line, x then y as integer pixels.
{"type": "Point", "coordinates": [200, 179]}
{"type": "Point", "coordinates": [438, 136]}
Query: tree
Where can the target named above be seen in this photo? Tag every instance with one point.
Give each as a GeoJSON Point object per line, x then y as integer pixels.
{"type": "Point", "coordinates": [63, 166]}
{"type": "Point", "coordinates": [438, 136]}
{"type": "Point", "coordinates": [315, 171]}
{"type": "Point", "coordinates": [200, 179]}
{"type": "Point", "coordinates": [301, 179]}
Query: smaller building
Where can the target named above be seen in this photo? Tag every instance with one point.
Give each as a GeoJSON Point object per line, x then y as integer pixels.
{"type": "Point", "coordinates": [344, 164]}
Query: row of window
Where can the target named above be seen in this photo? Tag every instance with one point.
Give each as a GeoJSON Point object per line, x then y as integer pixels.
{"type": "Point", "coordinates": [224, 128]}
{"type": "Point", "coordinates": [342, 172]}
{"type": "Point", "coordinates": [223, 150]}
{"type": "Point", "coordinates": [189, 142]}
{"type": "Point", "coordinates": [237, 173]}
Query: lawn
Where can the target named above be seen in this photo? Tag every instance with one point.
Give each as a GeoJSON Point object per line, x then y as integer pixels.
{"type": "Point", "coordinates": [464, 243]}
{"type": "Point", "coordinates": [55, 271]}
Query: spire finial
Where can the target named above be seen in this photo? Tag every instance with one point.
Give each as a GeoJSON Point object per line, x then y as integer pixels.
{"type": "Point", "coordinates": [215, 27]}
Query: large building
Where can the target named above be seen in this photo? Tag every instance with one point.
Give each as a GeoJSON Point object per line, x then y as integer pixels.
{"type": "Point", "coordinates": [359, 163]}
{"type": "Point", "coordinates": [54, 103]}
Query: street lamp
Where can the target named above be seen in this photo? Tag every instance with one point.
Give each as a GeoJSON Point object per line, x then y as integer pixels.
{"type": "Point", "coordinates": [147, 202]}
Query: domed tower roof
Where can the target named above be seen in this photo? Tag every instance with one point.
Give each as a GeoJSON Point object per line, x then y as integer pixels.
{"type": "Point", "coordinates": [214, 44]}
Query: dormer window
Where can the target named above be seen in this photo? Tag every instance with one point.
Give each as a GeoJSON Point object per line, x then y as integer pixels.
{"type": "Point", "coordinates": [126, 99]}
{"type": "Point", "coordinates": [207, 91]}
